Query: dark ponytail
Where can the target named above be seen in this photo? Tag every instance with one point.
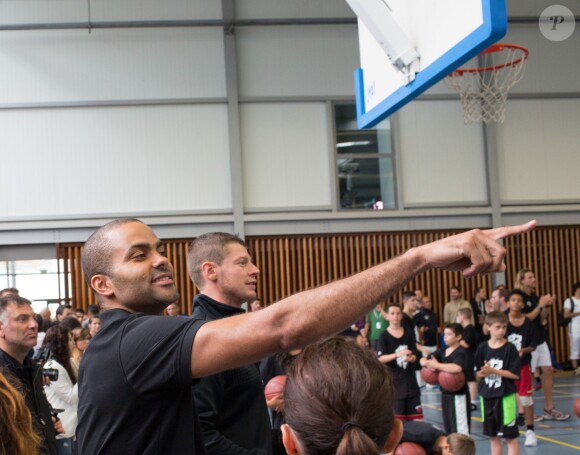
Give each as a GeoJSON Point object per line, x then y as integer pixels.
{"type": "Point", "coordinates": [356, 441]}
{"type": "Point", "coordinates": [339, 399]}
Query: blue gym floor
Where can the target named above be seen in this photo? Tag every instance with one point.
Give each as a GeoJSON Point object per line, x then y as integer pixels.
{"type": "Point", "coordinates": [554, 438]}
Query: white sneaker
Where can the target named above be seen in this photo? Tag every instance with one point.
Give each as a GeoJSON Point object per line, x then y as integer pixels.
{"type": "Point", "coordinates": [531, 440]}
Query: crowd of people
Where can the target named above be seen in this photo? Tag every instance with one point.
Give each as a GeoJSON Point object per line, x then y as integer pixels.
{"type": "Point", "coordinates": [132, 382]}
{"type": "Point", "coordinates": [499, 344]}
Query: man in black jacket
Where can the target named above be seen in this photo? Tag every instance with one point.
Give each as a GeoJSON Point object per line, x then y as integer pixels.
{"type": "Point", "coordinates": [18, 333]}
{"type": "Point", "coordinates": [231, 405]}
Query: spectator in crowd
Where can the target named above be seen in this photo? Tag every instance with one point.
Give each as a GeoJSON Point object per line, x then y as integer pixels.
{"type": "Point", "coordinates": [426, 322]}
{"type": "Point", "coordinates": [62, 393]}
{"type": "Point", "coordinates": [458, 444]}
{"type": "Point", "coordinates": [256, 305]}
{"type": "Point", "coordinates": [398, 350]}
{"type": "Point", "coordinates": [536, 309]}
{"type": "Point", "coordinates": [375, 324]}
{"type": "Point", "coordinates": [572, 311]}
{"type": "Point", "coordinates": [94, 325]}
{"type": "Point", "coordinates": [478, 307]}
{"type": "Point", "coordinates": [270, 367]}
{"type": "Point", "coordinates": [453, 359]}
{"type": "Point", "coordinates": [17, 434]}
{"type": "Point", "coordinates": [354, 414]}
{"type": "Point", "coordinates": [63, 311]}
{"type": "Point", "coordinates": [452, 307]}
{"type": "Point", "coordinates": [71, 322]}
{"type": "Point", "coordinates": [140, 367]}
{"type": "Point", "coordinates": [79, 314]}
{"type": "Point", "coordinates": [427, 435]}
{"type": "Point", "coordinates": [18, 334]}
{"type": "Point", "coordinates": [520, 332]}
{"type": "Point", "coordinates": [81, 337]}
{"type": "Point", "coordinates": [497, 365]}
{"type": "Point", "coordinates": [469, 342]}
{"type": "Point", "coordinates": [9, 291]}
{"type": "Point", "coordinates": [498, 300]}
{"type": "Point", "coordinates": [46, 316]}
{"type": "Point", "coordinates": [173, 310]}
{"type": "Point", "coordinates": [92, 310]}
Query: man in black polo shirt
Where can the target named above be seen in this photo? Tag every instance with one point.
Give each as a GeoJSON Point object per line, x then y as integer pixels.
{"type": "Point", "coordinates": [18, 333]}
{"type": "Point", "coordinates": [135, 379]}
{"type": "Point", "coordinates": [231, 405]}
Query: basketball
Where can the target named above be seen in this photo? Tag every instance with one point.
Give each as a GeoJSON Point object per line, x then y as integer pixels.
{"type": "Point", "coordinates": [275, 387]}
{"type": "Point", "coordinates": [430, 376]}
{"type": "Point", "coordinates": [577, 407]}
{"type": "Point", "coordinates": [451, 382]}
{"type": "Point", "coordinates": [409, 448]}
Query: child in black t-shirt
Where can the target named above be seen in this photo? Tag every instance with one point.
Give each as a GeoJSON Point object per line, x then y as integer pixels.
{"type": "Point", "coordinates": [521, 334]}
{"type": "Point", "coordinates": [497, 364]}
{"type": "Point", "coordinates": [469, 342]}
{"type": "Point", "coordinates": [397, 349]}
{"type": "Point", "coordinates": [452, 359]}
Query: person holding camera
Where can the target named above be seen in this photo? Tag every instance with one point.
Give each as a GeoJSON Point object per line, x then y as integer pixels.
{"type": "Point", "coordinates": [62, 392]}
{"type": "Point", "coordinates": [18, 333]}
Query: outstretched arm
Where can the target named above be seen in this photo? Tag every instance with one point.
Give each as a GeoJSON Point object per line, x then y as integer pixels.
{"type": "Point", "coordinates": [311, 315]}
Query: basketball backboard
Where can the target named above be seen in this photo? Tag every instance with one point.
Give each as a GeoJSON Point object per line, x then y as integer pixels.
{"type": "Point", "coordinates": [425, 39]}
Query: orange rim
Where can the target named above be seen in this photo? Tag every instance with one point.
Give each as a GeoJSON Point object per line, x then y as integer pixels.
{"type": "Point", "coordinates": [491, 49]}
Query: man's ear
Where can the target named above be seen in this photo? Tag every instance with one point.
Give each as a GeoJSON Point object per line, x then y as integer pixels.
{"type": "Point", "coordinates": [208, 270]}
{"type": "Point", "coordinates": [289, 440]}
{"type": "Point", "coordinates": [102, 285]}
{"type": "Point", "coordinates": [394, 436]}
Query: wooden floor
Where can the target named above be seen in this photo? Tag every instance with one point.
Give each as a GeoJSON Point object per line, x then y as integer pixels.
{"type": "Point", "coordinates": [554, 438]}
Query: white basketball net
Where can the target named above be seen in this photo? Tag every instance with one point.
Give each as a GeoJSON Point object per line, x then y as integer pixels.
{"type": "Point", "coordinates": [484, 90]}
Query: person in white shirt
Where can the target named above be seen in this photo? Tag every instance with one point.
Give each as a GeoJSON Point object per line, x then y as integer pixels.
{"type": "Point", "coordinates": [572, 310]}
{"type": "Point", "coordinates": [63, 392]}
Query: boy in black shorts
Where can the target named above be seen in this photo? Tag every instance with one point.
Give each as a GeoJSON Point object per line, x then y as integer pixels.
{"type": "Point", "coordinates": [497, 365]}
{"type": "Point", "coordinates": [452, 359]}
{"type": "Point", "coordinates": [398, 350]}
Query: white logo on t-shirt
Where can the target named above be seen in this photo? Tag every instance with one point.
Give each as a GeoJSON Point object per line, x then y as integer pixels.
{"type": "Point", "coordinates": [402, 361]}
{"type": "Point", "coordinates": [493, 381]}
{"type": "Point", "coordinates": [516, 339]}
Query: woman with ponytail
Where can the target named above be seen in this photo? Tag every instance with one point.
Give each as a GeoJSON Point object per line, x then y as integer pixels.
{"type": "Point", "coordinates": [339, 401]}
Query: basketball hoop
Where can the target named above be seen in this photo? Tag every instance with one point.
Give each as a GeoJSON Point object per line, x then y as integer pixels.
{"type": "Point", "coordinates": [484, 90]}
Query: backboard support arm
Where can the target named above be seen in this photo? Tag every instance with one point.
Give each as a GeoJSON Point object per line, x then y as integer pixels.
{"type": "Point", "coordinates": [378, 18]}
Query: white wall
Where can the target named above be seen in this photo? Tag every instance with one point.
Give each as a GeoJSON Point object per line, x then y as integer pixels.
{"type": "Point", "coordinates": [113, 161]}
{"type": "Point", "coordinates": [63, 11]}
{"type": "Point", "coordinates": [269, 9]}
{"type": "Point", "coordinates": [285, 155]}
{"type": "Point", "coordinates": [443, 160]}
{"type": "Point", "coordinates": [297, 61]}
{"type": "Point", "coordinates": [540, 151]}
{"type": "Point", "coordinates": [74, 66]}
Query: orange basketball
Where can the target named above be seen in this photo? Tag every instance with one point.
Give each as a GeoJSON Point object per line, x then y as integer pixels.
{"type": "Point", "coordinates": [409, 448]}
{"type": "Point", "coordinates": [577, 407]}
{"type": "Point", "coordinates": [275, 387]}
{"type": "Point", "coordinates": [430, 376]}
{"type": "Point", "coordinates": [451, 382]}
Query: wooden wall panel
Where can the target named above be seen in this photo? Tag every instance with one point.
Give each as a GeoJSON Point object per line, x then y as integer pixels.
{"type": "Point", "coordinates": [291, 264]}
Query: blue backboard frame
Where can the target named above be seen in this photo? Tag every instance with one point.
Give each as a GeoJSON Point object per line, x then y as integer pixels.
{"type": "Point", "coordinates": [493, 28]}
